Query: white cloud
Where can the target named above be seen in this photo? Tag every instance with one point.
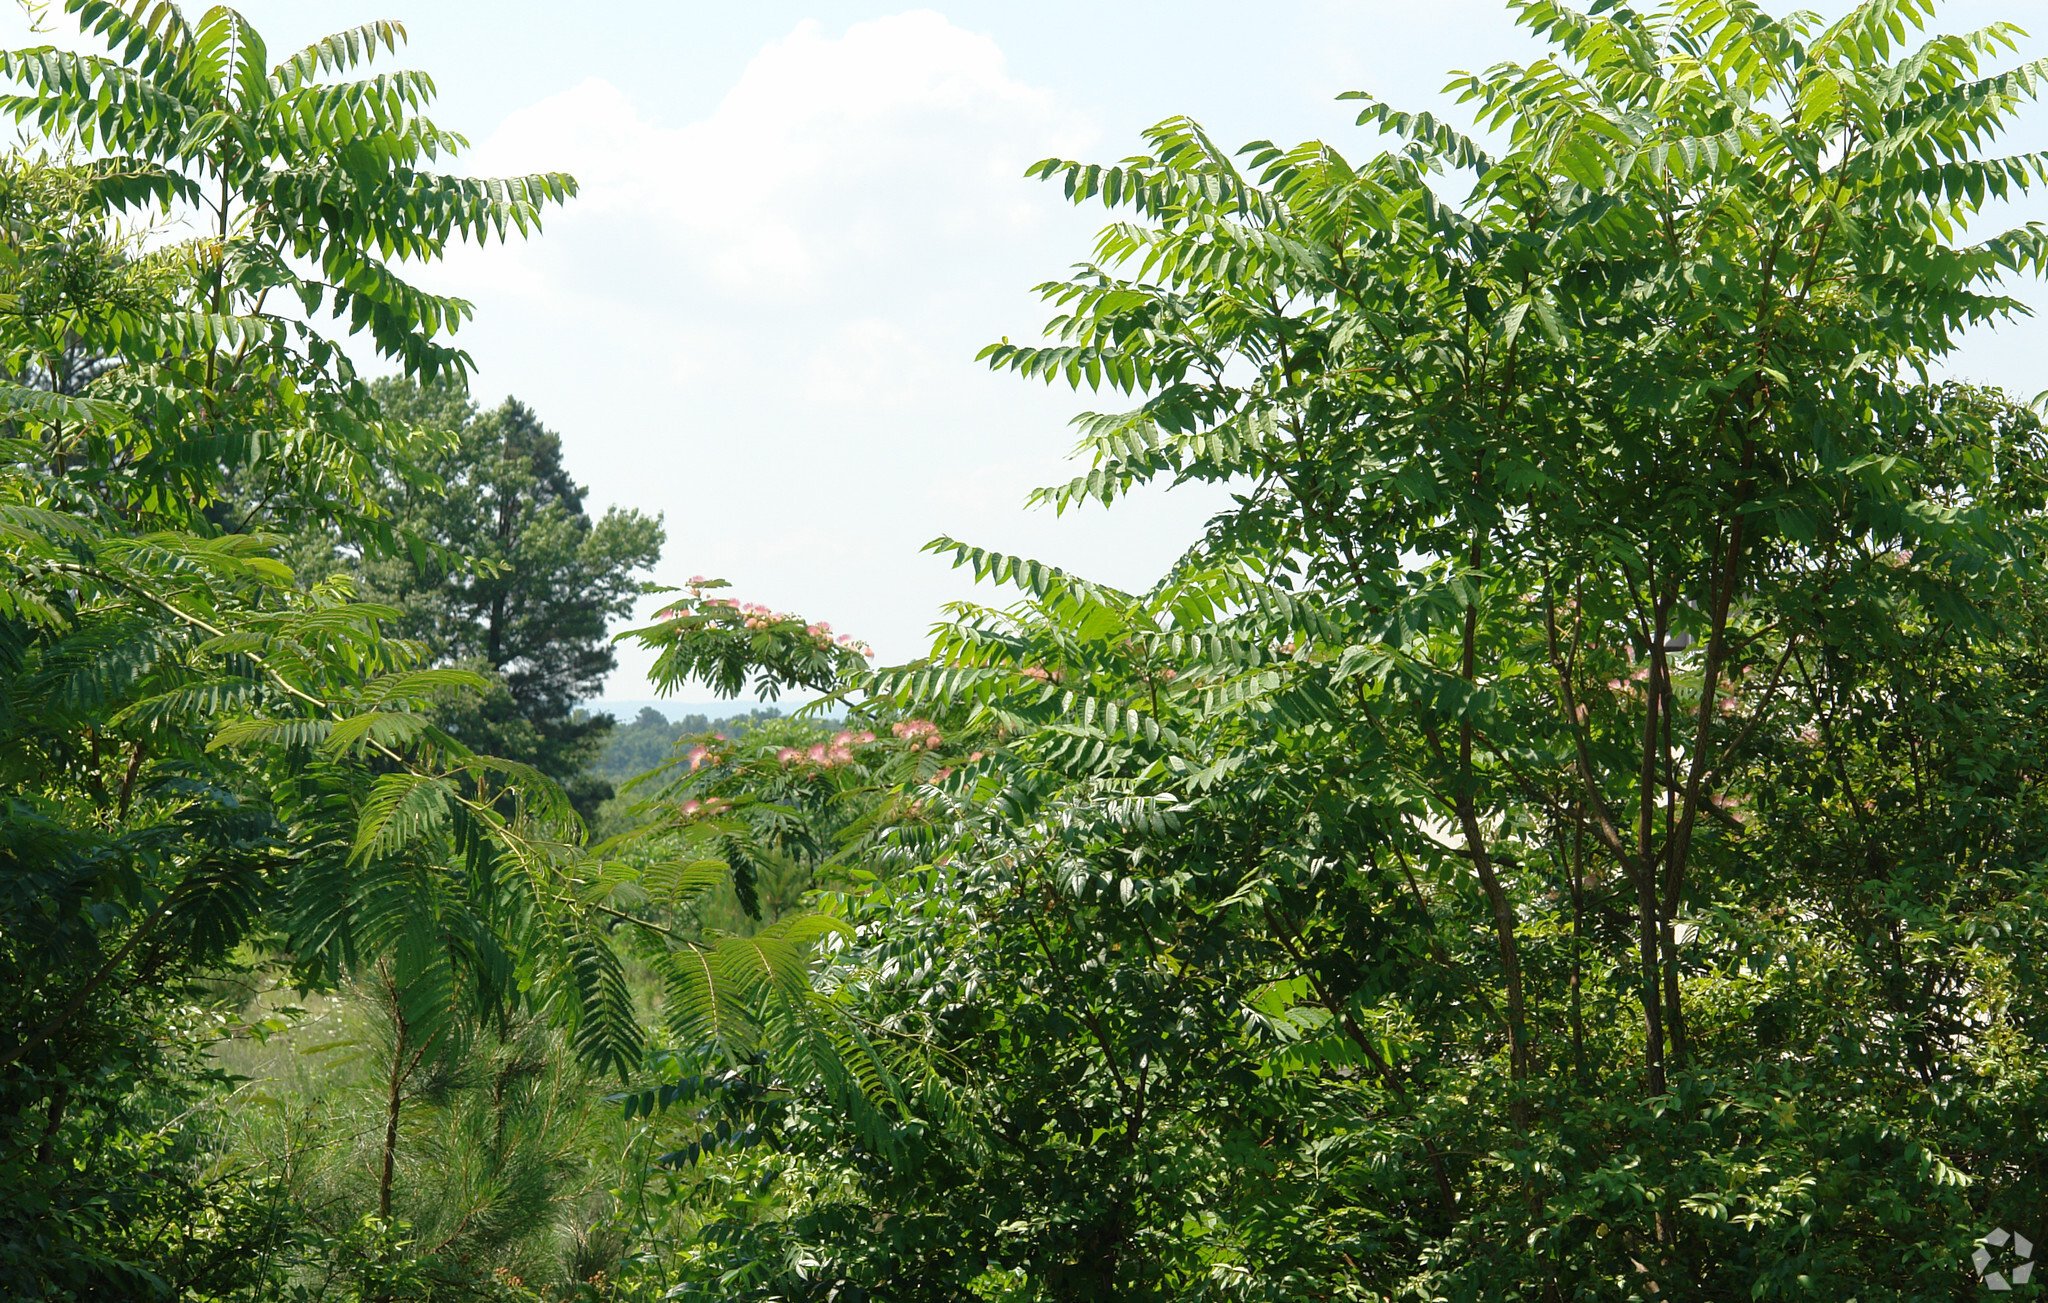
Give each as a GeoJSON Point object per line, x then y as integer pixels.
{"type": "Point", "coordinates": [830, 154]}
{"type": "Point", "coordinates": [867, 363]}
{"type": "Point", "coordinates": [764, 323]}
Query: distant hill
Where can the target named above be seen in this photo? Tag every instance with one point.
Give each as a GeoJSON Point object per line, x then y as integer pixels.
{"type": "Point", "coordinates": [626, 710]}
{"type": "Point", "coordinates": [634, 747]}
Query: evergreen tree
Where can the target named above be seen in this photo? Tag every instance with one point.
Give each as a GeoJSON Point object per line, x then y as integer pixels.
{"type": "Point", "coordinates": [512, 577]}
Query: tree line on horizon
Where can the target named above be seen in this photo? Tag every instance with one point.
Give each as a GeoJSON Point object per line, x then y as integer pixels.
{"type": "Point", "coordinates": [1569, 830]}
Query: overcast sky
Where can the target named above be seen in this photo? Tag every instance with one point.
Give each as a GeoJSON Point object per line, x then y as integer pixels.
{"type": "Point", "coordinates": [799, 223]}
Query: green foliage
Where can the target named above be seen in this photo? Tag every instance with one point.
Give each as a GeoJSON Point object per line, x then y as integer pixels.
{"type": "Point", "coordinates": [1561, 833]}
{"type": "Point", "coordinates": [496, 1169]}
{"type": "Point", "coordinates": [719, 641]}
{"type": "Point", "coordinates": [202, 753]}
{"type": "Point", "coordinates": [651, 738]}
{"type": "Point", "coordinates": [509, 576]}
{"type": "Point", "coordinates": [308, 190]}
{"type": "Point", "coordinates": [1567, 831]}
{"type": "Point", "coordinates": [115, 1186]}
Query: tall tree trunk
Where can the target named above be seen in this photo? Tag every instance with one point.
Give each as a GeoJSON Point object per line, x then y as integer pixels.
{"type": "Point", "coordinates": [1674, 1012]}
{"type": "Point", "coordinates": [392, 1102]}
{"type": "Point", "coordinates": [1489, 882]}
{"type": "Point", "coordinates": [59, 1097]}
{"type": "Point", "coordinates": [402, 1068]}
{"type": "Point", "coordinates": [1679, 846]}
{"type": "Point", "coordinates": [1578, 1012]}
{"type": "Point", "coordinates": [1644, 872]}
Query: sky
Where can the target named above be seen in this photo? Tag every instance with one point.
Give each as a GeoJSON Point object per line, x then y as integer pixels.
{"type": "Point", "coordinates": [799, 222]}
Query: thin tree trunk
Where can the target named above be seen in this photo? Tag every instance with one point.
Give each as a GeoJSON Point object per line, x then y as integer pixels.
{"type": "Point", "coordinates": [1578, 1012]}
{"type": "Point", "coordinates": [1644, 873]}
{"type": "Point", "coordinates": [401, 1069]}
{"type": "Point", "coordinates": [1340, 1010]}
{"type": "Point", "coordinates": [1489, 881]}
{"type": "Point", "coordinates": [1674, 1012]}
{"type": "Point", "coordinates": [1504, 935]}
{"type": "Point", "coordinates": [1661, 685]}
{"type": "Point", "coordinates": [1710, 684]}
{"type": "Point", "coordinates": [59, 1097]}
{"type": "Point", "coordinates": [392, 1103]}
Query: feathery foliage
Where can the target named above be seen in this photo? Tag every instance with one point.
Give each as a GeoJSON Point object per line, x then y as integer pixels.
{"type": "Point", "coordinates": [1519, 850]}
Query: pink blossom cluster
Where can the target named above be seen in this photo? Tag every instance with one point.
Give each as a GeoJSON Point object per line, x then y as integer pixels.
{"type": "Point", "coordinates": [1041, 674]}
{"type": "Point", "coordinates": [756, 616]}
{"type": "Point", "coordinates": [918, 733]}
{"type": "Point", "coordinates": [1623, 685]}
{"type": "Point", "coordinates": [701, 755]}
{"type": "Point", "coordinates": [821, 633]}
{"type": "Point", "coordinates": [710, 805]}
{"type": "Point", "coordinates": [825, 755]}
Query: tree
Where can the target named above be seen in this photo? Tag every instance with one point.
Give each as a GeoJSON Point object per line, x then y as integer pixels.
{"type": "Point", "coordinates": [498, 1170]}
{"type": "Point", "coordinates": [290, 172]}
{"type": "Point", "coordinates": [516, 580]}
{"type": "Point", "coordinates": [1536, 728]}
{"type": "Point", "coordinates": [201, 753]}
